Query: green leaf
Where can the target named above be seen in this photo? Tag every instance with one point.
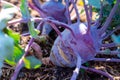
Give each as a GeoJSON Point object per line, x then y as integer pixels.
{"type": "Point", "coordinates": [10, 62]}
{"type": "Point", "coordinates": [5, 15]}
{"type": "Point", "coordinates": [95, 3]}
{"type": "Point", "coordinates": [14, 35]}
{"type": "Point", "coordinates": [6, 45]}
{"type": "Point", "coordinates": [18, 52]}
{"type": "Point", "coordinates": [31, 62]}
{"type": "Point", "coordinates": [26, 16]}
{"type": "Point", "coordinates": [15, 57]}
{"type": "Point", "coordinates": [32, 30]}
{"type": "Point", "coordinates": [6, 42]}
{"type": "Point", "coordinates": [24, 10]}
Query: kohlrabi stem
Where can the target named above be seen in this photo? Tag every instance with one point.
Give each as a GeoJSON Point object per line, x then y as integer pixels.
{"type": "Point", "coordinates": [108, 20]}
{"type": "Point", "coordinates": [106, 59]}
{"type": "Point", "coordinates": [76, 10]}
{"type": "Point", "coordinates": [110, 33]}
{"type": "Point", "coordinates": [20, 64]}
{"type": "Point", "coordinates": [78, 65]}
{"type": "Point", "coordinates": [56, 29]}
{"type": "Point", "coordinates": [109, 52]}
{"type": "Point", "coordinates": [62, 25]}
{"type": "Point", "coordinates": [23, 21]}
{"type": "Point", "coordinates": [40, 11]}
{"type": "Point", "coordinates": [87, 15]}
{"type": "Point", "coordinates": [25, 34]}
{"type": "Point", "coordinates": [90, 12]}
{"type": "Point", "coordinates": [73, 7]}
{"type": "Point", "coordinates": [41, 19]}
{"type": "Point", "coordinates": [98, 23]}
{"type": "Point", "coordinates": [67, 13]}
{"type": "Point", "coordinates": [38, 5]}
{"type": "Point", "coordinates": [17, 21]}
{"type": "Point", "coordinates": [97, 71]}
{"type": "Point", "coordinates": [108, 45]}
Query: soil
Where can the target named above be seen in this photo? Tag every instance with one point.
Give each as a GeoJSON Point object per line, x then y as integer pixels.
{"type": "Point", "coordinates": [46, 72]}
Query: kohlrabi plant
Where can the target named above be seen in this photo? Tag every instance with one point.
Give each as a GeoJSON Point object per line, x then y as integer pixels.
{"type": "Point", "coordinates": [45, 11]}
{"type": "Point", "coordinates": [77, 44]}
